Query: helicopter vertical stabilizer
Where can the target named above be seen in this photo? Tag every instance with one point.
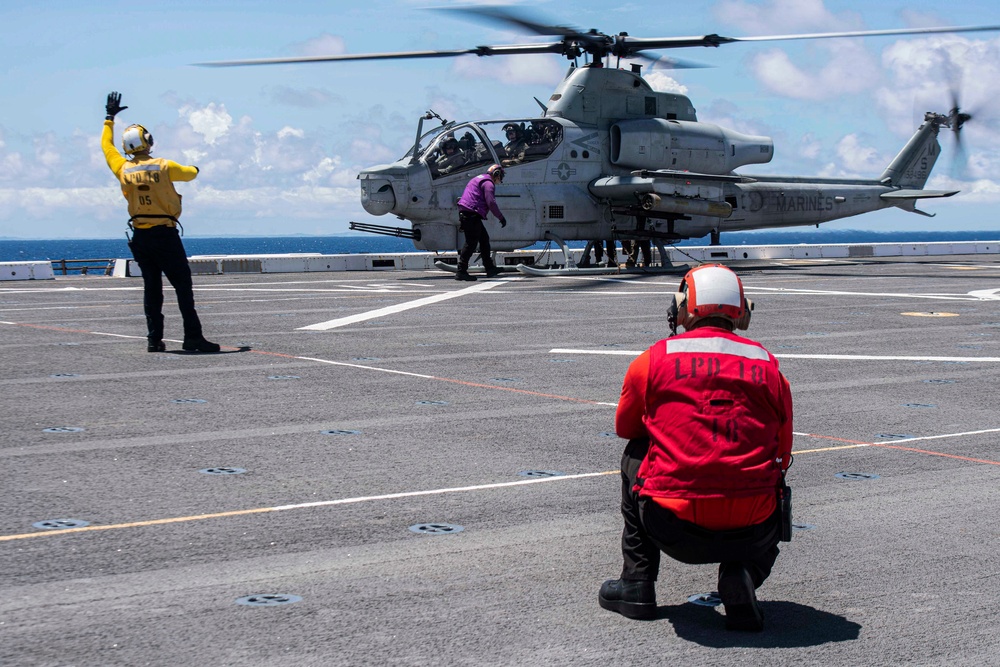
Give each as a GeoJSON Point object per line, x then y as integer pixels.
{"type": "Point", "coordinates": [912, 167]}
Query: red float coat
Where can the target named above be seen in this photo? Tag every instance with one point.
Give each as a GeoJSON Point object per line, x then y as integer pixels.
{"type": "Point", "coordinates": [718, 413]}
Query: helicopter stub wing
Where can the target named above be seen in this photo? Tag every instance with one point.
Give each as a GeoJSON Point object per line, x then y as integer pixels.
{"type": "Point", "coordinates": [625, 188]}
{"type": "Point", "coordinates": [692, 176]}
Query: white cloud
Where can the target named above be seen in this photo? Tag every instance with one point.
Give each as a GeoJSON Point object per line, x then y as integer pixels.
{"type": "Point", "coordinates": [923, 72]}
{"type": "Point", "coordinates": [783, 16]}
{"type": "Point", "coordinates": [859, 159]}
{"type": "Point", "coordinates": [322, 171]}
{"type": "Point", "coordinates": [849, 69]}
{"type": "Point", "coordinates": [533, 69]}
{"type": "Point", "coordinates": [664, 83]}
{"type": "Point", "coordinates": [287, 131]}
{"type": "Point", "coordinates": [372, 152]}
{"type": "Point", "coordinates": [810, 147]}
{"type": "Point", "coordinates": [211, 122]}
{"type": "Point", "coordinates": [44, 201]}
{"type": "Point", "coordinates": [825, 69]}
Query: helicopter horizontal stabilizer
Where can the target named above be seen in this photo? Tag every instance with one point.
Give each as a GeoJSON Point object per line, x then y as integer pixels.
{"type": "Point", "coordinates": [907, 199]}
{"type": "Point", "coordinates": [918, 194]}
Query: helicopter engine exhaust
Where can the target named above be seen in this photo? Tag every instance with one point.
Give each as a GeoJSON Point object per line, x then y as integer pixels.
{"type": "Point", "coordinates": [658, 143]}
{"type": "Point", "coordinates": [685, 205]}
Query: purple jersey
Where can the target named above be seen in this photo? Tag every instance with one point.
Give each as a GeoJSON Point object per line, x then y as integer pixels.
{"type": "Point", "coordinates": [479, 197]}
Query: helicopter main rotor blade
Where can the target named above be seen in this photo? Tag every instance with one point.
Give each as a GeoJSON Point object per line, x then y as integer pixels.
{"type": "Point", "coordinates": [872, 33]}
{"type": "Point", "coordinates": [631, 44]}
{"type": "Point", "coordinates": [510, 49]}
{"type": "Point", "coordinates": [512, 17]}
{"type": "Point", "coordinates": [657, 61]}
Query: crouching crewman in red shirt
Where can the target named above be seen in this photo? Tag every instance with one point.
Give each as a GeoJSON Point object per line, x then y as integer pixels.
{"type": "Point", "coordinates": [708, 416]}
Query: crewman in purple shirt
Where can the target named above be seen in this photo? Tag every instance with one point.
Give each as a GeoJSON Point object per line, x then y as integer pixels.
{"type": "Point", "coordinates": [475, 204]}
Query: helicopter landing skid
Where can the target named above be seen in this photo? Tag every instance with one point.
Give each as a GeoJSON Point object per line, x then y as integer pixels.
{"type": "Point", "coordinates": [453, 268]}
{"type": "Point", "coordinates": [676, 269]}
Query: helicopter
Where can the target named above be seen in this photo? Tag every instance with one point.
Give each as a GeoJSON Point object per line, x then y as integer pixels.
{"type": "Point", "coordinates": [611, 158]}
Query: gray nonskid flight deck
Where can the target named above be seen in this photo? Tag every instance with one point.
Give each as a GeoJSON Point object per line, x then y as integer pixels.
{"type": "Point", "coordinates": [297, 498]}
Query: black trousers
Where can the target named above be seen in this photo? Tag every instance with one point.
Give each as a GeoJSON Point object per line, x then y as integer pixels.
{"type": "Point", "coordinates": [471, 224]}
{"type": "Point", "coordinates": [158, 250]}
{"type": "Point", "coordinates": [599, 251]}
{"type": "Point", "coordinates": [651, 529]}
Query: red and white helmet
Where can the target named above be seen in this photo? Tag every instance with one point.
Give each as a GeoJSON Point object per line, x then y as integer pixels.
{"type": "Point", "coordinates": [712, 290]}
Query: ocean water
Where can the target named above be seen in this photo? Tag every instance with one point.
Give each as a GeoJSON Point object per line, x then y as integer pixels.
{"type": "Point", "coordinates": [58, 249]}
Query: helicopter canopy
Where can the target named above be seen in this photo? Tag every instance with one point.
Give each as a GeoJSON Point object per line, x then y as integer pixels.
{"type": "Point", "coordinates": [472, 146]}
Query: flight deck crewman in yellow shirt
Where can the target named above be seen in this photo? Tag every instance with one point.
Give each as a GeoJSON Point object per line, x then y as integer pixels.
{"type": "Point", "coordinates": [154, 207]}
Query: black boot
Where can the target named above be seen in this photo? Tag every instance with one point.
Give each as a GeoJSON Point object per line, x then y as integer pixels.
{"type": "Point", "coordinates": [737, 592]}
{"type": "Point", "coordinates": [200, 345]}
{"type": "Point", "coordinates": [633, 599]}
{"type": "Point", "coordinates": [155, 346]}
{"type": "Point", "coordinates": [464, 275]}
{"type": "Point", "coordinates": [492, 271]}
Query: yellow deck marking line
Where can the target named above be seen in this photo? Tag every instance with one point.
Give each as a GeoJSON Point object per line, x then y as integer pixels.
{"type": "Point", "coordinates": [408, 305]}
{"type": "Point", "coordinates": [853, 444]}
{"type": "Point", "coordinates": [321, 503]}
{"type": "Point", "coordinates": [831, 449]}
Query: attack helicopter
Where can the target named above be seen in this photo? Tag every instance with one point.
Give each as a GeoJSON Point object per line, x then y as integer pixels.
{"type": "Point", "coordinates": [611, 158]}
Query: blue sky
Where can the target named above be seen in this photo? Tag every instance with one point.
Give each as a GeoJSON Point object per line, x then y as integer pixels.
{"type": "Point", "coordinates": [280, 146]}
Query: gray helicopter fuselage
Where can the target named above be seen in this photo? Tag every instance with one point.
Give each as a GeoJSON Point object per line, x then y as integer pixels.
{"type": "Point", "coordinates": [628, 159]}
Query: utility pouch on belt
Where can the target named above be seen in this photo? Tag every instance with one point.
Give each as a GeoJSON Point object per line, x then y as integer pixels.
{"type": "Point", "coordinates": [785, 511]}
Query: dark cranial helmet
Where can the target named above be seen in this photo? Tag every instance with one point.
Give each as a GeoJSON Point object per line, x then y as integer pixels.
{"type": "Point", "coordinates": [517, 129]}
{"type": "Point", "coordinates": [451, 143]}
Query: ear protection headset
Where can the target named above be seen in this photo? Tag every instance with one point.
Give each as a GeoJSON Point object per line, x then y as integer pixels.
{"type": "Point", "coordinates": [709, 290]}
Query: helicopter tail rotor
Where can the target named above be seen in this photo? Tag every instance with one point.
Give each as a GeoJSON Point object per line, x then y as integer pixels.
{"type": "Point", "coordinates": [956, 120]}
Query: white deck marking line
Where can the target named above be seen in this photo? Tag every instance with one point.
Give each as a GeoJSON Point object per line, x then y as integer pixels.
{"type": "Point", "coordinates": [842, 357]}
{"type": "Point", "coordinates": [900, 440]}
{"type": "Point", "coordinates": [945, 297]}
{"type": "Point", "coordinates": [939, 437]}
{"type": "Point", "coordinates": [400, 307]}
{"type": "Point", "coordinates": [435, 492]}
{"type": "Point", "coordinates": [367, 368]}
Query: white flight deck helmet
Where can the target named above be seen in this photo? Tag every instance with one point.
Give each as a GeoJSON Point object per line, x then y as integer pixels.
{"type": "Point", "coordinates": [136, 139]}
{"type": "Point", "coordinates": [710, 290]}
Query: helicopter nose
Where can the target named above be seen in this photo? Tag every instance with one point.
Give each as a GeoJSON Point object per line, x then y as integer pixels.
{"type": "Point", "coordinates": [377, 196]}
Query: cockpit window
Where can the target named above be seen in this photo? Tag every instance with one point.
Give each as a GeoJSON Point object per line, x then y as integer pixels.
{"type": "Point", "coordinates": [426, 139]}
{"type": "Point", "coordinates": [457, 150]}
{"type": "Point", "coordinates": [464, 148]}
{"type": "Point", "coordinates": [523, 141]}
